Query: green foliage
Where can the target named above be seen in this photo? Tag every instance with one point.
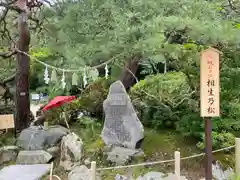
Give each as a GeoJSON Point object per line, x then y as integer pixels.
{"type": "Point", "coordinates": [93, 96]}
{"type": "Point", "coordinates": [161, 99]}
{"type": "Point", "coordinates": [190, 124]}
{"type": "Point", "coordinates": [166, 100]}
{"type": "Point", "coordinates": [234, 177]}
{"type": "Point", "coordinates": [7, 139]}
{"type": "Point", "coordinates": [52, 90]}
{"type": "Point", "coordinates": [90, 125]}
{"type": "Point", "coordinates": [219, 140]}
{"type": "Point", "coordinates": [91, 32]}
{"type": "Point", "coordinates": [90, 100]}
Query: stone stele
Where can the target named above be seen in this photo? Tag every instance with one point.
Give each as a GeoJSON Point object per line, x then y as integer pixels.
{"type": "Point", "coordinates": [122, 126]}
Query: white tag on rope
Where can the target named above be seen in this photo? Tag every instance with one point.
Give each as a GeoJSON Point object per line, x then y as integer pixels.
{"type": "Point", "coordinates": [106, 71]}
{"type": "Point", "coordinates": [63, 80]}
{"type": "Point", "coordinates": [46, 78]}
{"type": "Point", "coordinates": [84, 78]}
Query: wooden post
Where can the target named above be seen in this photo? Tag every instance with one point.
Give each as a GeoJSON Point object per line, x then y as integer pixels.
{"type": "Point", "coordinates": [177, 164]}
{"type": "Point", "coordinates": [51, 172]}
{"type": "Point", "coordinates": [208, 148]}
{"type": "Point", "coordinates": [210, 100]}
{"type": "Point", "coordinates": [237, 158]}
{"type": "Point", "coordinates": [65, 119]}
{"type": "Point", "coordinates": [45, 125]}
{"type": "Point", "coordinates": [93, 170]}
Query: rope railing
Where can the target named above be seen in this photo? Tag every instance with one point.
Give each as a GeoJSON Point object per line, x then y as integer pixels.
{"type": "Point", "coordinates": [161, 162]}
{"type": "Point", "coordinates": [93, 170]}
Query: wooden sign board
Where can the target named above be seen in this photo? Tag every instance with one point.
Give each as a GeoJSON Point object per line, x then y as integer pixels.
{"type": "Point", "coordinates": [209, 83]}
{"type": "Point", "coordinates": [7, 121]}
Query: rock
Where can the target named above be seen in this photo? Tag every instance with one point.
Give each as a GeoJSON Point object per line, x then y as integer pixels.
{"type": "Point", "coordinates": [152, 176]}
{"type": "Point", "coordinates": [37, 138]}
{"type": "Point", "coordinates": [107, 149]}
{"type": "Point", "coordinates": [33, 157]}
{"type": "Point", "coordinates": [80, 173]}
{"type": "Point", "coordinates": [120, 155]}
{"type": "Point", "coordinates": [24, 172]}
{"type": "Point", "coordinates": [219, 173]}
{"type": "Point", "coordinates": [171, 176]}
{"type": "Point", "coordinates": [71, 151]}
{"type": "Point", "coordinates": [54, 151]}
{"type": "Point", "coordinates": [120, 177]}
{"type": "Point", "coordinates": [8, 154]}
{"type": "Point", "coordinates": [87, 161]}
{"type": "Point", "coordinates": [122, 126]}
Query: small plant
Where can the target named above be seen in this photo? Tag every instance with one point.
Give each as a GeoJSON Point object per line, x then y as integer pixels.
{"type": "Point", "coordinates": [93, 96]}
{"type": "Point", "coordinates": [91, 126]}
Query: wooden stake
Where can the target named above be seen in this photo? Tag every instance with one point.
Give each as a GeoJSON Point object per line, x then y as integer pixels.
{"type": "Point", "coordinates": [93, 170]}
{"type": "Point", "coordinates": [237, 158]}
{"type": "Point", "coordinates": [177, 164]}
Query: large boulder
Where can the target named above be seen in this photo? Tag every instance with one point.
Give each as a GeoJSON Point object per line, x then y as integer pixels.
{"type": "Point", "coordinates": [71, 151]}
{"type": "Point", "coordinates": [37, 138]}
{"type": "Point", "coordinates": [122, 126]}
{"type": "Point", "coordinates": [33, 157]}
{"type": "Point", "coordinates": [220, 173]}
{"type": "Point", "coordinates": [8, 154]}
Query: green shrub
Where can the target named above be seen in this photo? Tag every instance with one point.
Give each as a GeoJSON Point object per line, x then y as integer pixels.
{"type": "Point", "coordinates": [191, 125]}
{"type": "Point", "coordinates": [93, 96]}
{"type": "Point", "coordinates": [53, 116]}
{"type": "Point", "coordinates": [161, 99]}
{"type": "Point", "coordinates": [219, 140]}
{"type": "Point", "coordinates": [90, 100]}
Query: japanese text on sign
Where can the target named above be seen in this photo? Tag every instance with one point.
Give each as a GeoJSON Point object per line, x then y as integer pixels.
{"type": "Point", "coordinates": [210, 83]}
{"type": "Point", "coordinates": [7, 121]}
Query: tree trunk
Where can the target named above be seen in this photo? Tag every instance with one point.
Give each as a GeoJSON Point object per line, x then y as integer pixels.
{"type": "Point", "coordinates": [22, 116]}
{"type": "Point", "coordinates": [127, 77]}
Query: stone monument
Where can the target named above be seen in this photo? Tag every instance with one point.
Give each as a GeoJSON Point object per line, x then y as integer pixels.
{"type": "Point", "coordinates": [122, 126]}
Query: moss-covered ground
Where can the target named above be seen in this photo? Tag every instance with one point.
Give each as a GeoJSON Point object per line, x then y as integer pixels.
{"type": "Point", "coordinates": [157, 146]}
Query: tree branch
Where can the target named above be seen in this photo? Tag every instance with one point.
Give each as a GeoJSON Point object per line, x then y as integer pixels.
{"type": "Point", "coordinates": [7, 54]}
{"type": "Point", "coordinates": [8, 79]}
{"type": "Point", "coordinates": [232, 6]}
{"type": "Point", "coordinates": [11, 7]}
